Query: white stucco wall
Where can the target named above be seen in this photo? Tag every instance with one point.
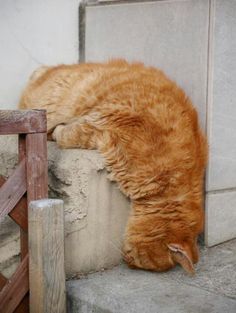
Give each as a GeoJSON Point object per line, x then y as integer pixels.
{"type": "Point", "coordinates": [32, 33]}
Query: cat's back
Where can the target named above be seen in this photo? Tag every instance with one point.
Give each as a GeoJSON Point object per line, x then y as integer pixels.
{"type": "Point", "coordinates": [49, 85]}
{"type": "Point", "coordinates": [52, 81]}
{"type": "Point", "coordinates": [57, 89]}
{"type": "Point", "coordinates": [67, 91]}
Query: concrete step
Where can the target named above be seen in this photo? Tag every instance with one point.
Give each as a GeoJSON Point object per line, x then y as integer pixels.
{"type": "Point", "coordinates": [121, 290]}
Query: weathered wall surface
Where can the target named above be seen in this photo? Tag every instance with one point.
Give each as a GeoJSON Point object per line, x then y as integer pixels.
{"type": "Point", "coordinates": [194, 43]}
{"type": "Point", "coordinates": [33, 33]}
{"type": "Point", "coordinates": [171, 35]}
{"type": "Point", "coordinates": [95, 210]}
{"type": "Point", "coordinates": [221, 178]}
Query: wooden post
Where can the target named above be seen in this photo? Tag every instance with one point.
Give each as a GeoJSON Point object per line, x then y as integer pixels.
{"type": "Point", "coordinates": [28, 182]}
{"type": "Point", "coordinates": [46, 256]}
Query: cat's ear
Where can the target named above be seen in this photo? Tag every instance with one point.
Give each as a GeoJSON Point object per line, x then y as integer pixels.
{"type": "Point", "coordinates": [181, 256]}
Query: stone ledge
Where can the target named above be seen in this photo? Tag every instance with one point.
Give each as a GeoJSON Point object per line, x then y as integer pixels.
{"type": "Point", "coordinates": [120, 290]}
{"type": "Point", "coordinates": [95, 210]}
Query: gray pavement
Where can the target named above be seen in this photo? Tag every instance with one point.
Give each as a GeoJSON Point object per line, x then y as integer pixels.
{"type": "Point", "coordinates": [121, 290]}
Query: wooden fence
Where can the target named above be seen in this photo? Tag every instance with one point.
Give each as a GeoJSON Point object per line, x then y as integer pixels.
{"type": "Point", "coordinates": [27, 182]}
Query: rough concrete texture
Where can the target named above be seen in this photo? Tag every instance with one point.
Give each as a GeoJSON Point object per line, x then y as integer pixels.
{"type": "Point", "coordinates": [9, 247]}
{"type": "Point", "coordinates": [95, 210]}
{"type": "Point", "coordinates": [121, 290]}
{"type": "Point", "coordinates": [9, 231]}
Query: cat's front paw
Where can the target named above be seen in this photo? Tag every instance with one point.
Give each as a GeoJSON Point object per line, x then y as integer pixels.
{"type": "Point", "coordinates": [57, 132]}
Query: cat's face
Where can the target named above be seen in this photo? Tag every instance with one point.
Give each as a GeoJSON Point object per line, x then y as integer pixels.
{"type": "Point", "coordinates": [161, 255]}
{"type": "Point", "coordinates": [158, 244]}
{"type": "Point", "coordinates": [158, 241]}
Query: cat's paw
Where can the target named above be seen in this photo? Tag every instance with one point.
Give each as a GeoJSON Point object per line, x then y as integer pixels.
{"type": "Point", "coordinates": [57, 132]}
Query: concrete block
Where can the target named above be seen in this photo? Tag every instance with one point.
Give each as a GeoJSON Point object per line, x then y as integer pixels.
{"type": "Point", "coordinates": [220, 217]}
{"type": "Point", "coordinates": [172, 35]}
{"type": "Point", "coordinates": [95, 210]}
{"type": "Point", "coordinates": [222, 109]}
{"type": "Point", "coordinates": [123, 290]}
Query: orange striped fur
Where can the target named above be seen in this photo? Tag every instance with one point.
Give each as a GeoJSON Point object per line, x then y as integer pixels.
{"type": "Point", "coordinates": [148, 132]}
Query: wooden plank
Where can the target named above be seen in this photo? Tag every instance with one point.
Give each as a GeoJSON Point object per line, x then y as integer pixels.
{"type": "Point", "coordinates": [36, 166]}
{"type": "Point", "coordinates": [20, 216]}
{"type": "Point", "coordinates": [3, 281]}
{"type": "Point", "coordinates": [16, 288]}
{"type": "Point", "coordinates": [23, 307]}
{"type": "Point", "coordinates": [47, 274]}
{"type": "Point", "coordinates": [37, 178]}
{"type": "Point", "coordinates": [23, 231]}
{"type": "Point", "coordinates": [21, 147]}
{"type": "Point", "coordinates": [23, 243]}
{"type": "Point", "coordinates": [2, 180]}
{"type": "Point", "coordinates": [13, 189]}
{"type": "Point", "coordinates": [19, 213]}
{"type": "Point", "coordinates": [22, 121]}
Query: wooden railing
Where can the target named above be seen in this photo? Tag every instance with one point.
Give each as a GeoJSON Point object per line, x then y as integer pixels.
{"type": "Point", "coordinates": [28, 182]}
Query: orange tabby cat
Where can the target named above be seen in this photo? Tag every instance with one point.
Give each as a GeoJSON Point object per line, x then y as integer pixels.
{"type": "Point", "coordinates": [148, 132]}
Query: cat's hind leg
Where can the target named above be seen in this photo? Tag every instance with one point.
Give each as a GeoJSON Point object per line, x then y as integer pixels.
{"type": "Point", "coordinates": [77, 134]}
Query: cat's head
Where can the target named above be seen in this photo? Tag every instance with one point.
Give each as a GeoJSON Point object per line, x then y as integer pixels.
{"type": "Point", "coordinates": [159, 256]}
{"type": "Point", "coordinates": [160, 246]}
